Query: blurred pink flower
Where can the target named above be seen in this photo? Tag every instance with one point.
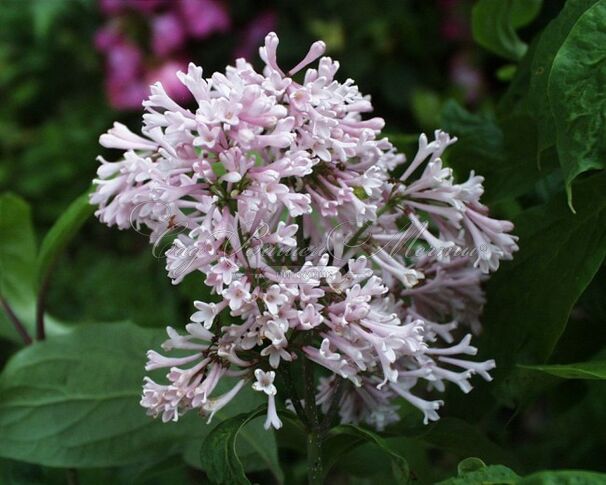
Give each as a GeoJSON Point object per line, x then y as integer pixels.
{"type": "Point", "coordinates": [204, 17]}
{"type": "Point", "coordinates": [168, 34]}
{"type": "Point", "coordinates": [124, 65]}
{"type": "Point", "coordinates": [107, 36]}
{"type": "Point", "coordinates": [172, 23]}
{"type": "Point", "coordinates": [112, 7]}
{"type": "Point", "coordinates": [124, 61]}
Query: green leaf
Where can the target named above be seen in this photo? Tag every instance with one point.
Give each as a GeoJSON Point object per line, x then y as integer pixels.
{"type": "Point", "coordinates": [17, 250]}
{"type": "Point", "coordinates": [564, 477]}
{"type": "Point", "coordinates": [593, 370]}
{"type": "Point", "coordinates": [219, 453]}
{"type": "Point", "coordinates": [345, 438]}
{"type": "Point", "coordinates": [524, 12]}
{"type": "Point", "coordinates": [576, 93]}
{"type": "Point", "coordinates": [256, 447]}
{"type": "Point", "coordinates": [567, 87]}
{"type": "Point", "coordinates": [170, 470]}
{"type": "Point", "coordinates": [425, 105]}
{"type": "Point", "coordinates": [472, 471]}
{"type": "Point", "coordinates": [504, 152]}
{"type": "Point", "coordinates": [73, 401]}
{"type": "Point", "coordinates": [493, 24]}
{"type": "Point", "coordinates": [469, 465]}
{"type": "Point", "coordinates": [550, 41]}
{"type": "Point", "coordinates": [59, 236]}
{"type": "Point", "coordinates": [45, 14]}
{"type": "Point", "coordinates": [17, 260]}
{"type": "Point", "coordinates": [506, 72]}
{"type": "Point", "coordinates": [530, 298]}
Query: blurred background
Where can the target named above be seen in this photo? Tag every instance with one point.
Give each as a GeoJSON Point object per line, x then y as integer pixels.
{"type": "Point", "coordinates": [69, 68]}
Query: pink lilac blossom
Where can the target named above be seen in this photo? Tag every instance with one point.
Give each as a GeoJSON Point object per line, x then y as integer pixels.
{"type": "Point", "coordinates": [267, 161]}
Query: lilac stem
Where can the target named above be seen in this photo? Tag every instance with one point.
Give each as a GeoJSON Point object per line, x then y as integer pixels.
{"type": "Point", "coordinates": [21, 330]}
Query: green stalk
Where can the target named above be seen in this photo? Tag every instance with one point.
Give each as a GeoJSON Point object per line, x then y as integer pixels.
{"type": "Point", "coordinates": [314, 458]}
{"type": "Point", "coordinates": [315, 469]}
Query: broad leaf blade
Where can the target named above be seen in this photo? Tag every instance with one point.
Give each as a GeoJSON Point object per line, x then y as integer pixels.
{"type": "Point", "coordinates": [524, 11]}
{"type": "Point", "coordinates": [547, 48]}
{"type": "Point", "coordinates": [17, 260]}
{"type": "Point", "coordinates": [530, 299]}
{"type": "Point", "coordinates": [577, 97]}
{"type": "Point", "coordinates": [73, 401]}
{"type": "Point", "coordinates": [17, 250]}
{"type": "Point", "coordinates": [566, 83]}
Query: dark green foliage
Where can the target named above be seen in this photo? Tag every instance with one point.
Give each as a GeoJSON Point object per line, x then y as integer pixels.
{"type": "Point", "coordinates": [534, 128]}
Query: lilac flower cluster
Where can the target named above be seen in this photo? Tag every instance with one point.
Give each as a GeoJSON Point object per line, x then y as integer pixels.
{"type": "Point", "coordinates": [285, 159]}
{"type": "Point", "coordinates": [172, 26]}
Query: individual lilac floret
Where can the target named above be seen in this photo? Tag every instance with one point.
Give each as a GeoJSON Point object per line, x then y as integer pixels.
{"type": "Point", "coordinates": [281, 194]}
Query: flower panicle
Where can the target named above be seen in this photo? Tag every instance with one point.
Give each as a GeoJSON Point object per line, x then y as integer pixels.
{"type": "Point", "coordinates": [266, 167]}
